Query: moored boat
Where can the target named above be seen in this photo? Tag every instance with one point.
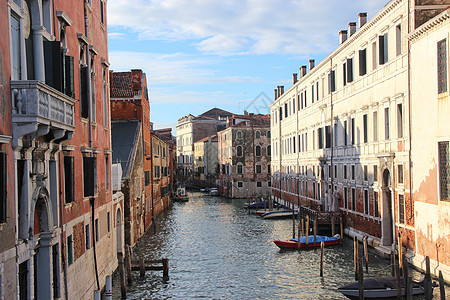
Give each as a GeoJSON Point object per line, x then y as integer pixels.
{"type": "Point", "coordinates": [279, 214]}
{"type": "Point", "coordinates": [379, 288]}
{"type": "Point", "coordinates": [181, 195]}
{"type": "Point", "coordinates": [293, 243]}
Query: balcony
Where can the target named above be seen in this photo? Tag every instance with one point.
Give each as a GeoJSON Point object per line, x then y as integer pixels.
{"type": "Point", "coordinates": [40, 110]}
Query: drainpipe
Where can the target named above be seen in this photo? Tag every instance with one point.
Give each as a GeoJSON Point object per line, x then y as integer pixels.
{"type": "Point", "coordinates": [88, 88]}
{"type": "Point", "coordinates": [409, 118]}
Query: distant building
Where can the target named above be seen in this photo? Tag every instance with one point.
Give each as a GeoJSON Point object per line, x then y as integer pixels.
{"type": "Point", "coordinates": [244, 152]}
{"type": "Point", "coordinates": [190, 129]}
{"type": "Point", "coordinates": [206, 162]}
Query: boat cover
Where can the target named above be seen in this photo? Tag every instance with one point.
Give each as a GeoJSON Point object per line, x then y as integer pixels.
{"type": "Point", "coordinates": [319, 239]}
{"type": "Point", "coordinates": [379, 283]}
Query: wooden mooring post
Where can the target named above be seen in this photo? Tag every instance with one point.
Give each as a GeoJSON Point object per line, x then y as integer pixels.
{"type": "Point", "coordinates": [427, 284]}
{"type": "Point", "coordinates": [123, 286]}
{"type": "Point", "coordinates": [315, 232]}
{"type": "Point", "coordinates": [333, 225]}
{"type": "Point", "coordinates": [400, 253]}
{"type": "Point", "coordinates": [361, 280]}
{"type": "Point", "coordinates": [128, 263]}
{"type": "Point", "coordinates": [341, 224]}
{"type": "Point", "coordinates": [366, 254]}
{"type": "Point", "coordinates": [322, 252]}
{"type": "Point", "coordinates": [441, 285]}
{"type": "Point", "coordinates": [307, 230]}
{"type": "Point", "coordinates": [355, 256]}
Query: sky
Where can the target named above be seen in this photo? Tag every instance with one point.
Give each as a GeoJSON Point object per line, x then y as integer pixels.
{"type": "Point", "coordinates": [230, 54]}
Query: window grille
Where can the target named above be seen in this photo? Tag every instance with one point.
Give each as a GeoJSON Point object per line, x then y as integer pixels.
{"type": "Point", "coordinates": [442, 66]}
{"type": "Point", "coordinates": [444, 170]}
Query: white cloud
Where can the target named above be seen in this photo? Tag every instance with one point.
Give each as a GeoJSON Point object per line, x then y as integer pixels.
{"type": "Point", "coordinates": [242, 26]}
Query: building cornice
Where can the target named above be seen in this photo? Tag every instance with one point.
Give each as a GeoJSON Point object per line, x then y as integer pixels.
{"type": "Point", "coordinates": [430, 25]}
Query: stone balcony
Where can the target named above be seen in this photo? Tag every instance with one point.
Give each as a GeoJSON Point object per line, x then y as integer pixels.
{"type": "Point", "coordinates": [40, 110]}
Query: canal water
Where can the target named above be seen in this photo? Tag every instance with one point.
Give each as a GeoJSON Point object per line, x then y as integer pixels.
{"type": "Point", "coordinates": [216, 250]}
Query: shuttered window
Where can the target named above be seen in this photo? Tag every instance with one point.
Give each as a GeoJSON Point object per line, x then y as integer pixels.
{"type": "Point", "coordinates": [442, 66]}
{"type": "Point", "coordinates": [383, 49]}
{"type": "Point", "coordinates": [3, 188]}
{"type": "Point", "coordinates": [90, 176]}
{"type": "Point", "coordinates": [84, 98]}
{"type": "Point", "coordinates": [362, 62]}
{"type": "Point", "coordinates": [68, 178]}
{"type": "Point", "coordinates": [350, 70]}
{"type": "Point", "coordinates": [53, 57]}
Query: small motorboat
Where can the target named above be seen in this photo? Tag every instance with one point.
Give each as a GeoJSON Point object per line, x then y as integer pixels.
{"type": "Point", "coordinates": [181, 195]}
{"type": "Point", "coordinates": [261, 204]}
{"type": "Point", "coordinates": [293, 243]}
{"type": "Point", "coordinates": [214, 192]}
{"type": "Point", "coordinates": [379, 288]}
{"type": "Point", "coordinates": [279, 214]}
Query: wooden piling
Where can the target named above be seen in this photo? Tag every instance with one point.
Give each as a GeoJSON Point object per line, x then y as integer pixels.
{"type": "Point", "coordinates": [315, 232]}
{"type": "Point", "coordinates": [355, 256]}
{"type": "Point", "coordinates": [123, 286]}
{"type": "Point", "coordinates": [427, 285]}
{"type": "Point", "coordinates": [128, 264]}
{"type": "Point", "coordinates": [406, 278]}
{"type": "Point", "coordinates": [333, 225]}
{"type": "Point", "coordinates": [141, 268]}
{"type": "Point", "coordinates": [303, 227]}
{"type": "Point", "coordinates": [299, 233]}
{"type": "Point", "coordinates": [398, 283]}
{"type": "Point", "coordinates": [366, 254]}
{"type": "Point", "coordinates": [392, 263]}
{"type": "Point", "coordinates": [400, 253]}
{"type": "Point", "coordinates": [165, 263]}
{"type": "Point", "coordinates": [307, 230]}
{"type": "Point", "coordinates": [341, 224]}
{"type": "Point", "coordinates": [441, 286]}
{"type": "Point", "coordinates": [361, 281]}
{"type": "Point", "coordinates": [322, 252]}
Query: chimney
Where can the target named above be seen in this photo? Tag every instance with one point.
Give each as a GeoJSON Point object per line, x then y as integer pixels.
{"type": "Point", "coordinates": [245, 113]}
{"type": "Point", "coordinates": [281, 90]}
{"type": "Point", "coordinates": [278, 91]}
{"type": "Point", "coordinates": [302, 72]}
{"type": "Point", "coordinates": [311, 64]}
{"type": "Point", "coordinates": [342, 36]}
{"type": "Point", "coordinates": [351, 28]}
{"type": "Point", "coordinates": [362, 17]}
{"type": "Point", "coordinates": [294, 78]}
{"type": "Point", "coordinates": [275, 94]}
{"type": "Point", "coordinates": [136, 79]}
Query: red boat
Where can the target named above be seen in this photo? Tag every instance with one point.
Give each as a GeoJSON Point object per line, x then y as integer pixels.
{"type": "Point", "coordinates": [293, 243]}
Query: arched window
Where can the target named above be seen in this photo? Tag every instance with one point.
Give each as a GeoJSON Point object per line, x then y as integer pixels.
{"type": "Point", "coordinates": [239, 134]}
{"type": "Point", "coordinates": [268, 134]}
{"type": "Point", "coordinates": [258, 134]}
{"type": "Point", "coordinates": [239, 169]}
{"type": "Point", "coordinates": [239, 151]}
{"type": "Point", "coordinates": [269, 150]}
{"type": "Point", "coordinates": [258, 150]}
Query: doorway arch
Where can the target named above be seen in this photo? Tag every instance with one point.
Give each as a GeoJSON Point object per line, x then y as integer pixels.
{"type": "Point", "coordinates": [386, 218]}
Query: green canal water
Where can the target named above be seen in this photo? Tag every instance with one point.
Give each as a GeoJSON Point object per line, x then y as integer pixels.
{"type": "Point", "coordinates": [216, 250]}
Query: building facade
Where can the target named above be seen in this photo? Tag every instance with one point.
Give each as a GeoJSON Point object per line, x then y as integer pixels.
{"type": "Point", "coordinates": [430, 136]}
{"type": "Point", "coordinates": [68, 223]}
{"type": "Point", "coordinates": [190, 129]}
{"type": "Point", "coordinates": [206, 162]}
{"type": "Point", "coordinates": [342, 133]}
{"type": "Point", "coordinates": [244, 151]}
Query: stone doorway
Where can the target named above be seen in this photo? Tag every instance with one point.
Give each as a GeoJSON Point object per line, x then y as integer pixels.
{"type": "Point", "coordinates": [387, 216]}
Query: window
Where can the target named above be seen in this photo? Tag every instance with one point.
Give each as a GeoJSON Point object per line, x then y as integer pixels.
{"type": "Point", "coordinates": [3, 187]}
{"type": "Point", "coordinates": [312, 93]}
{"type": "Point", "coordinates": [344, 73]}
{"type": "Point", "coordinates": [317, 90]}
{"type": "Point", "coordinates": [328, 136]}
{"type": "Point", "coordinates": [365, 130]}
{"type": "Point", "coordinates": [350, 70]}
{"type": "Point", "coordinates": [401, 209]}
{"type": "Point", "coordinates": [258, 150]}
{"type": "Point", "coordinates": [293, 144]}
{"type": "Point", "coordinates": [239, 134]}
{"type": "Point", "coordinates": [102, 13]}
{"type": "Point", "coordinates": [345, 172]}
{"type": "Point", "coordinates": [258, 169]}
{"type": "Point", "coordinates": [147, 178]}
{"type": "Point", "coordinates": [286, 112]}
{"type": "Point", "coordinates": [375, 126]}
{"type": "Point", "coordinates": [383, 49]}
{"type": "Point", "coordinates": [376, 209]}
{"type": "Point", "coordinates": [239, 168]}
{"type": "Point", "coordinates": [108, 221]}
{"type": "Point", "coordinates": [353, 130]}
{"type": "Point", "coordinates": [362, 62]}
{"type": "Point", "coordinates": [374, 55]}
{"type": "Point", "coordinates": [444, 170]}
{"type": "Point", "coordinates": [345, 133]}
{"type": "Point", "coordinates": [239, 151]}
{"type": "Point", "coordinates": [105, 97]}
{"type": "Point", "coordinates": [89, 176]}
{"type": "Point", "coordinates": [400, 173]}
{"type": "Point", "coordinates": [97, 231]}
{"type": "Point", "coordinates": [442, 66]}
{"type": "Point", "coordinates": [345, 197]}
{"type": "Point", "coordinates": [366, 202]}
{"type": "Point", "coordinates": [281, 113]}
{"type": "Point", "coordinates": [259, 184]}
{"type": "Point", "coordinates": [320, 137]}
{"type": "Point", "coordinates": [107, 172]}
{"type": "Point", "coordinates": [84, 98]}
{"type": "Point", "coordinates": [268, 169]}
{"type": "Point", "coordinates": [331, 82]}
{"type": "Point", "coordinates": [15, 47]}
{"type": "Point", "coordinates": [268, 134]}
{"type": "Point", "coordinates": [398, 40]}
{"type": "Point", "coordinates": [87, 234]}
{"type": "Point", "coordinates": [353, 199]}
{"type": "Point", "coordinates": [240, 184]}
{"type": "Point", "coordinates": [269, 150]}
{"type": "Point", "coordinates": [386, 123]}
{"type": "Point", "coordinates": [335, 172]}
{"type": "Point", "coordinates": [353, 172]}
{"type": "Point", "coordinates": [365, 174]}
{"type": "Point", "coordinates": [375, 173]}
{"type": "Point", "coordinates": [399, 121]}
{"type": "Point", "coordinates": [69, 250]}
{"type": "Point", "coordinates": [258, 134]}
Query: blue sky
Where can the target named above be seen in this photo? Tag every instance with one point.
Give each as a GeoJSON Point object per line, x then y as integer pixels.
{"type": "Point", "coordinates": [231, 54]}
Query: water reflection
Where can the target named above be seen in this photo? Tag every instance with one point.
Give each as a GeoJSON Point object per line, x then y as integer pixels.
{"type": "Point", "coordinates": [218, 251]}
